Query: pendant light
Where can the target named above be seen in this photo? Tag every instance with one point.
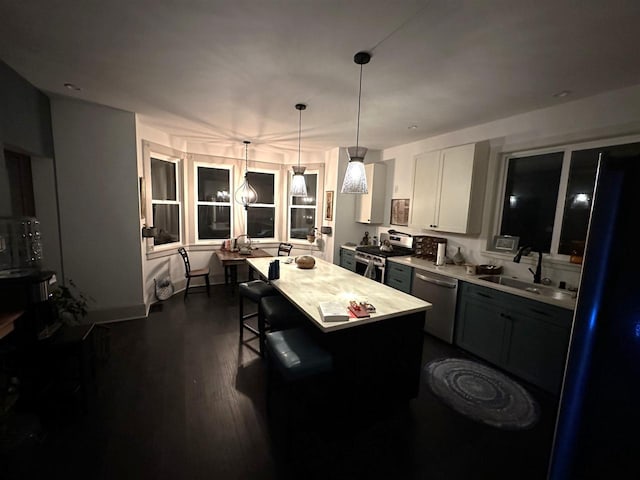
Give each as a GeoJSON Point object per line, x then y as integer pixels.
{"type": "Point", "coordinates": [355, 180]}
{"type": "Point", "coordinates": [298, 185]}
{"type": "Point", "coordinates": [245, 194]}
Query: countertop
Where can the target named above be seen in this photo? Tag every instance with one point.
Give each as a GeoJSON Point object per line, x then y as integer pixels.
{"type": "Point", "coordinates": [306, 288]}
{"type": "Point", "coordinates": [460, 273]}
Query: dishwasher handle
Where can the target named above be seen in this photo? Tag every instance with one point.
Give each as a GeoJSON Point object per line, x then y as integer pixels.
{"type": "Point", "coordinates": [435, 281]}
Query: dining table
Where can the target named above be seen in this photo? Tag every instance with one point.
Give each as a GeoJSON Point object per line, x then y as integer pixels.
{"type": "Point", "coordinates": [230, 259]}
{"type": "Point", "coordinates": [377, 360]}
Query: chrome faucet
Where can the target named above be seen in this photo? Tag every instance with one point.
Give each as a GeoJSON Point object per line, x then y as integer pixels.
{"type": "Point", "coordinates": [526, 250]}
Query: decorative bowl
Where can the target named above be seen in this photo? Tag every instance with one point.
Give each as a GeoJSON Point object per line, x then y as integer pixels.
{"type": "Point", "coordinates": [305, 261]}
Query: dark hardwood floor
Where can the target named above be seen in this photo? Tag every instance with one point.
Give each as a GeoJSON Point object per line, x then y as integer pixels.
{"type": "Point", "coordinates": [178, 398]}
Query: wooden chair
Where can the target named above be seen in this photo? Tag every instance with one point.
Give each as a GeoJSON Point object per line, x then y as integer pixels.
{"type": "Point", "coordinates": [189, 274]}
{"type": "Point", "coordinates": [284, 249]}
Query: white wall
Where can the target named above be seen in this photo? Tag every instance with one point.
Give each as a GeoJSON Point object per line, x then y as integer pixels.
{"type": "Point", "coordinates": [99, 214]}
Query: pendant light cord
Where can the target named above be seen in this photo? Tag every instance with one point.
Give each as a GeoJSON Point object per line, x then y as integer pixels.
{"type": "Point", "coordinates": [299, 134]}
{"type": "Point", "coordinates": [246, 159]}
{"type": "Point", "coordinates": [358, 124]}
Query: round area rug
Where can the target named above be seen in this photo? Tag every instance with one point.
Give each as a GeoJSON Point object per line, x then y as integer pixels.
{"type": "Point", "coordinates": [481, 393]}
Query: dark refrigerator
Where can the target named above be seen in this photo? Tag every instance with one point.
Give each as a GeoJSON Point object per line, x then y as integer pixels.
{"type": "Point", "coordinates": [598, 428]}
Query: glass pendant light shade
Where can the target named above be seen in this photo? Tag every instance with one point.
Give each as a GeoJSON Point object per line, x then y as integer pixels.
{"type": "Point", "coordinates": [246, 195]}
{"type": "Point", "coordinates": [355, 180]}
{"type": "Point", "coordinates": [298, 184]}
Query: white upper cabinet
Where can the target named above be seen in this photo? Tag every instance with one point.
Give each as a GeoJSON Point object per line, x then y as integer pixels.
{"type": "Point", "coordinates": [370, 206]}
{"type": "Point", "coordinates": [448, 189]}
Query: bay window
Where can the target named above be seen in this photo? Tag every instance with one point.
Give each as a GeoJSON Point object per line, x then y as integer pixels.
{"type": "Point", "coordinates": [213, 202]}
{"type": "Point", "coordinates": [303, 211]}
{"type": "Point", "coordinates": [261, 216]}
{"type": "Point", "coordinates": [166, 200]}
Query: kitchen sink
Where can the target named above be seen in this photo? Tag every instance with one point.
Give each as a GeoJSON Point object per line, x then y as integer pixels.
{"type": "Point", "coordinates": [534, 288]}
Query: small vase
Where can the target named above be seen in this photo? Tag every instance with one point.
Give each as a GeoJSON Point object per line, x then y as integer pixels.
{"type": "Point", "coordinates": [458, 258]}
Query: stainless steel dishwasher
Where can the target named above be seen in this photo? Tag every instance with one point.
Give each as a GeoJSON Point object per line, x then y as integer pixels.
{"type": "Point", "coordinates": [441, 291]}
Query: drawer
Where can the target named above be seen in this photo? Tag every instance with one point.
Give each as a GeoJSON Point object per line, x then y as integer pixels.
{"type": "Point", "coordinates": [399, 272]}
{"type": "Point", "coordinates": [404, 285]}
{"type": "Point", "coordinates": [348, 263]}
{"type": "Point", "coordinates": [347, 254]}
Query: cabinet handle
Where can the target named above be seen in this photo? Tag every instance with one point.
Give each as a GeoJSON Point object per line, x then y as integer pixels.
{"type": "Point", "coordinates": [539, 312]}
{"type": "Point", "coordinates": [504, 315]}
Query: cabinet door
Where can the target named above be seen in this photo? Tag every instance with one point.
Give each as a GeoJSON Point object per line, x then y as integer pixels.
{"type": "Point", "coordinates": [538, 344]}
{"type": "Point", "coordinates": [426, 181]}
{"type": "Point", "coordinates": [347, 259]}
{"type": "Point", "coordinates": [480, 325]}
{"type": "Point", "coordinates": [399, 276]}
{"type": "Point", "coordinates": [455, 190]}
{"type": "Point", "coordinates": [370, 206]}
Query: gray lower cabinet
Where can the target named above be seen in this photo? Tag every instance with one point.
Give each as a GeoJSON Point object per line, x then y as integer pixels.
{"type": "Point", "coordinates": [399, 276]}
{"type": "Point", "coordinates": [526, 338]}
{"type": "Point", "coordinates": [348, 259]}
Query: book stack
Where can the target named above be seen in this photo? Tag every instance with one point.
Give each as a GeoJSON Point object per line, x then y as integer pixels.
{"type": "Point", "coordinates": [333, 312]}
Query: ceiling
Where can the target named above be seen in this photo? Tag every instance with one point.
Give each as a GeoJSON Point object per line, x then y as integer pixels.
{"type": "Point", "coordinates": [221, 71]}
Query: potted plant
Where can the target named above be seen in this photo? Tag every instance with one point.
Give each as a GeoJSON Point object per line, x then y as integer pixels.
{"type": "Point", "coordinates": [70, 303]}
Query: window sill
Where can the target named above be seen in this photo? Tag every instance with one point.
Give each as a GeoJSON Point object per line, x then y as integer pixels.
{"type": "Point", "coordinates": [558, 262]}
{"type": "Point", "coordinates": [158, 252]}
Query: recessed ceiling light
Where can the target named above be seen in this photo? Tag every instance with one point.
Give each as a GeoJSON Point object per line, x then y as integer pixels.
{"type": "Point", "coordinates": [562, 94]}
{"type": "Point", "coordinates": [71, 86]}
{"type": "Point", "coordinates": [413, 127]}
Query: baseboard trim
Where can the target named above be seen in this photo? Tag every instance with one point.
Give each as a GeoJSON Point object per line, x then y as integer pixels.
{"type": "Point", "coordinates": [118, 314]}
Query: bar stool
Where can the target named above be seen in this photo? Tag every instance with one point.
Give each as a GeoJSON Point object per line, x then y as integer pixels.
{"type": "Point", "coordinates": [293, 358]}
{"type": "Point", "coordinates": [253, 290]}
{"type": "Point", "coordinates": [275, 312]}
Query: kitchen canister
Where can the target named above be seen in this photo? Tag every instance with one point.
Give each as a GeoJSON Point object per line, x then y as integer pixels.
{"type": "Point", "coordinates": [441, 253]}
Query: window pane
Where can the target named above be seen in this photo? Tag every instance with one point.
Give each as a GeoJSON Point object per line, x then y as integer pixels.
{"type": "Point", "coordinates": [214, 222]}
{"type": "Point", "coordinates": [263, 183]}
{"type": "Point", "coordinates": [166, 219]}
{"type": "Point", "coordinates": [260, 222]}
{"type": "Point", "coordinates": [577, 205]}
{"type": "Point", "coordinates": [213, 184]}
{"type": "Point", "coordinates": [530, 199]}
{"type": "Point", "coordinates": [302, 220]}
{"type": "Point", "coordinates": [310, 199]}
{"type": "Point", "coordinates": [163, 180]}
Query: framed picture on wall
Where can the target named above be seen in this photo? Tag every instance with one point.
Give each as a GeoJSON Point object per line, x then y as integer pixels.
{"type": "Point", "coordinates": [400, 211]}
{"type": "Point", "coordinates": [328, 205]}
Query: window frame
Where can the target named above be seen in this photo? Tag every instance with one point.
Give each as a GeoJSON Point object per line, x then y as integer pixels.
{"type": "Point", "coordinates": [197, 202]}
{"type": "Point", "coordinates": [290, 206]}
{"type": "Point", "coordinates": [567, 149]}
{"type": "Point", "coordinates": [179, 164]}
{"type": "Point", "coordinates": [276, 215]}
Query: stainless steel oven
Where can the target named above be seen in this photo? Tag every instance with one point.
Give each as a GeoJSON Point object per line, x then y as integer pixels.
{"type": "Point", "coordinates": [371, 260]}
{"type": "Point", "coordinates": [370, 266]}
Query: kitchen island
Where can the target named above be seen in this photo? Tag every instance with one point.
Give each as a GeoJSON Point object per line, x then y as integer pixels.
{"type": "Point", "coordinates": [377, 360]}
